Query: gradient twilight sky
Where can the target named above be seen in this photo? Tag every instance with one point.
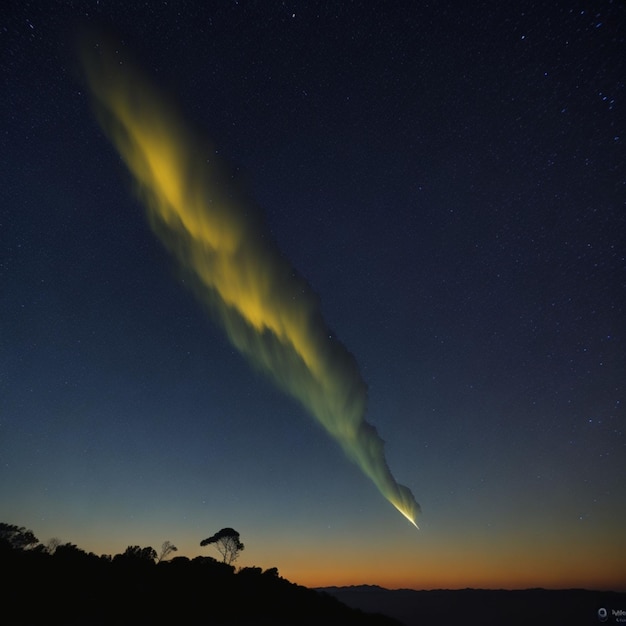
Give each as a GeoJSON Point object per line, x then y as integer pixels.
{"type": "Point", "coordinates": [450, 181]}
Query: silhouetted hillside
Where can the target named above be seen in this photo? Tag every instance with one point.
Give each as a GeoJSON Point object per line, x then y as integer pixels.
{"type": "Point", "coordinates": [64, 585]}
{"type": "Point", "coordinates": [570, 607]}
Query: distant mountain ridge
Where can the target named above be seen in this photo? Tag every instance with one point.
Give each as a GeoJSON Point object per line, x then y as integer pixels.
{"type": "Point", "coordinates": [357, 588]}
{"type": "Point", "coordinates": [487, 607]}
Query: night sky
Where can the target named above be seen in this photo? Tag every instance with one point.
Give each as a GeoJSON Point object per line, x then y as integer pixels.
{"type": "Point", "coordinates": [445, 180]}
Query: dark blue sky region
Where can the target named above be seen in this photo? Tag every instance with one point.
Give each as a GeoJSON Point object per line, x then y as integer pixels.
{"type": "Point", "coordinates": [449, 180]}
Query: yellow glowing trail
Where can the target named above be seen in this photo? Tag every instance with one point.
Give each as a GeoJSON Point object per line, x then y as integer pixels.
{"type": "Point", "coordinates": [269, 313]}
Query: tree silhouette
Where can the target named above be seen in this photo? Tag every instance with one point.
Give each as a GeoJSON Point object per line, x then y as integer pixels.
{"type": "Point", "coordinates": [52, 545]}
{"type": "Point", "coordinates": [167, 547]}
{"type": "Point", "coordinates": [137, 554]}
{"type": "Point", "coordinates": [227, 544]}
{"type": "Point", "coordinates": [17, 537]}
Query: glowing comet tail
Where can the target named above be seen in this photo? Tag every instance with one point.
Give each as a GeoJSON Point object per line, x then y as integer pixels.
{"type": "Point", "coordinates": [269, 313]}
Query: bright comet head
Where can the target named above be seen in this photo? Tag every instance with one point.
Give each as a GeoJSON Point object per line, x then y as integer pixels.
{"type": "Point", "coordinates": [408, 515]}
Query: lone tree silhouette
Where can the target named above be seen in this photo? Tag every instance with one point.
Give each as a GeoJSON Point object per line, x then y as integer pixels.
{"type": "Point", "coordinates": [227, 544]}
{"type": "Point", "coordinates": [166, 548]}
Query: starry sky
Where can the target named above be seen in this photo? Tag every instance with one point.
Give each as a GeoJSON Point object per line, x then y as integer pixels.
{"type": "Point", "coordinates": [450, 182]}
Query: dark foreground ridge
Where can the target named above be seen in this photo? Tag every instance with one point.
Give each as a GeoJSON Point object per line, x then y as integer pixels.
{"type": "Point", "coordinates": [567, 607]}
{"type": "Point", "coordinates": [63, 585]}
{"type": "Point", "coordinates": [66, 586]}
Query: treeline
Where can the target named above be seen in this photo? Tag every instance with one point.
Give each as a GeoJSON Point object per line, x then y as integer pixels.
{"type": "Point", "coordinates": [64, 585]}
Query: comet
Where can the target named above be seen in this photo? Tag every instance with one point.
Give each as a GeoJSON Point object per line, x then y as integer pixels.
{"type": "Point", "coordinates": [408, 516]}
{"type": "Point", "coordinates": [219, 240]}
